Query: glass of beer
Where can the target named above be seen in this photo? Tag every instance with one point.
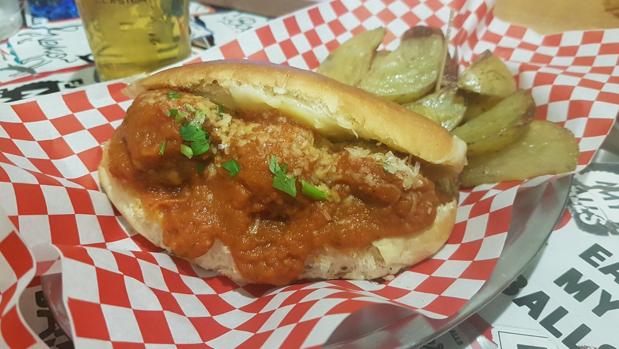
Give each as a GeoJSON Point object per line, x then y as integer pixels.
{"type": "Point", "coordinates": [135, 36]}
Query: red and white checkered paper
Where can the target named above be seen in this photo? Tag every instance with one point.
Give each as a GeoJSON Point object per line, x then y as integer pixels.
{"type": "Point", "coordinates": [119, 289]}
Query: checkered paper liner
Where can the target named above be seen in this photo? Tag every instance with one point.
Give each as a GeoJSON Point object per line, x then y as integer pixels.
{"type": "Point", "coordinates": [119, 289]}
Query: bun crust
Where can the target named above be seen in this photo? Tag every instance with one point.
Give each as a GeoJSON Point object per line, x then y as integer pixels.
{"type": "Point", "coordinates": [384, 257]}
{"type": "Point", "coordinates": [331, 108]}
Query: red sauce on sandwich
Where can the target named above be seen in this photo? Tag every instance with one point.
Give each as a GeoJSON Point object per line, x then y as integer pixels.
{"type": "Point", "coordinates": [271, 190]}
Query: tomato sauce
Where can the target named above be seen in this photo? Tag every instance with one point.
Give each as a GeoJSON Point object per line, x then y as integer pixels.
{"type": "Point", "coordinates": [269, 233]}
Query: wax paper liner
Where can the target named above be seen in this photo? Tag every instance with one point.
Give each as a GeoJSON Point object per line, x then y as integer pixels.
{"type": "Point", "coordinates": [118, 289]}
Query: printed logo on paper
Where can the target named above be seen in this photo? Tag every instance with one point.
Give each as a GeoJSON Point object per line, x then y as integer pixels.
{"type": "Point", "coordinates": [594, 199]}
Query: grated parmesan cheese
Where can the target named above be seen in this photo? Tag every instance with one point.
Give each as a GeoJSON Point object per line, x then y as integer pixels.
{"type": "Point", "coordinates": [392, 164]}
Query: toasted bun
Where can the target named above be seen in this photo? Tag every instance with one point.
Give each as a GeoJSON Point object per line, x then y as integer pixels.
{"type": "Point", "coordinates": [384, 257]}
{"type": "Point", "coordinates": [331, 108]}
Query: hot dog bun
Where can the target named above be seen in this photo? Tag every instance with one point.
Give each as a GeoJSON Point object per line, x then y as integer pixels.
{"type": "Point", "coordinates": [332, 109]}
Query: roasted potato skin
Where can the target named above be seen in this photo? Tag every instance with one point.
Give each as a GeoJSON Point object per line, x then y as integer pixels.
{"type": "Point", "coordinates": [446, 107]}
{"type": "Point", "coordinates": [488, 75]}
{"type": "Point", "coordinates": [410, 71]}
{"type": "Point", "coordinates": [352, 60]}
{"type": "Point", "coordinates": [450, 71]}
{"type": "Point", "coordinates": [499, 126]}
{"type": "Point", "coordinates": [477, 104]}
{"type": "Point", "coordinates": [544, 148]}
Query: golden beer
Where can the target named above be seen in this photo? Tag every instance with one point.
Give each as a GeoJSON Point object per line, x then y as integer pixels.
{"type": "Point", "coordinates": [134, 36]}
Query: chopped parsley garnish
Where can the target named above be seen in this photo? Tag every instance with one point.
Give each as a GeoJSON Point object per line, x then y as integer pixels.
{"type": "Point", "coordinates": [162, 147]}
{"type": "Point", "coordinates": [174, 95]}
{"type": "Point", "coordinates": [186, 150]}
{"type": "Point", "coordinates": [282, 181]}
{"type": "Point", "coordinates": [200, 167]}
{"type": "Point", "coordinates": [197, 138]}
{"type": "Point", "coordinates": [313, 192]}
{"type": "Point", "coordinates": [275, 167]}
{"type": "Point", "coordinates": [200, 147]}
{"type": "Point", "coordinates": [232, 167]}
{"type": "Point", "coordinates": [177, 115]}
{"type": "Point", "coordinates": [192, 133]}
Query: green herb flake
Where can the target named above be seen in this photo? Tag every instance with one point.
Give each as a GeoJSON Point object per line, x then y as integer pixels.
{"type": "Point", "coordinates": [162, 147]}
{"type": "Point", "coordinates": [220, 109]}
{"type": "Point", "coordinates": [174, 95]}
{"type": "Point", "coordinates": [274, 165]}
{"type": "Point", "coordinates": [200, 147]}
{"type": "Point", "coordinates": [197, 138]}
{"type": "Point", "coordinates": [187, 151]}
{"type": "Point", "coordinates": [282, 181]}
{"type": "Point", "coordinates": [285, 183]}
{"type": "Point", "coordinates": [192, 133]}
{"type": "Point", "coordinates": [178, 115]}
{"type": "Point", "coordinates": [200, 167]}
{"type": "Point", "coordinates": [232, 167]}
{"type": "Point", "coordinates": [173, 112]}
{"type": "Point", "coordinates": [313, 192]}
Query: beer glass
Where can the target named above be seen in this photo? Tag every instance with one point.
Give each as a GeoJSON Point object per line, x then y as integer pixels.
{"type": "Point", "coordinates": [135, 36]}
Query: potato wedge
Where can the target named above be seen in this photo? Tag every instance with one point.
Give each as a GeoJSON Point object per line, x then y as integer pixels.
{"type": "Point", "coordinates": [351, 60]}
{"type": "Point", "coordinates": [488, 75]}
{"type": "Point", "coordinates": [445, 107]}
{"type": "Point", "coordinates": [545, 148]}
{"type": "Point", "coordinates": [379, 57]}
{"type": "Point", "coordinates": [410, 71]}
{"type": "Point", "coordinates": [499, 126]}
{"type": "Point", "coordinates": [479, 104]}
{"type": "Point", "coordinates": [498, 141]}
